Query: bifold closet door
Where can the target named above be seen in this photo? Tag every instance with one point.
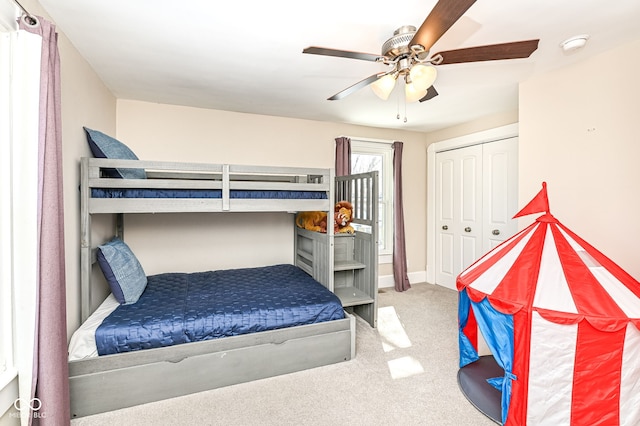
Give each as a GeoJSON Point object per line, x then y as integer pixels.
{"type": "Point", "coordinates": [458, 211]}
{"type": "Point", "coordinates": [499, 191]}
{"type": "Point", "coordinates": [476, 198]}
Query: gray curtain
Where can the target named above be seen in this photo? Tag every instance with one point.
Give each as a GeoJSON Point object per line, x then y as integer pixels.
{"type": "Point", "coordinates": [50, 370]}
{"type": "Point", "coordinates": [399, 247]}
{"type": "Point", "coordinates": [343, 156]}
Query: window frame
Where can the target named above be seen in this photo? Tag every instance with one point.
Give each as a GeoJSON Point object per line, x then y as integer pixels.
{"type": "Point", "coordinates": [385, 149]}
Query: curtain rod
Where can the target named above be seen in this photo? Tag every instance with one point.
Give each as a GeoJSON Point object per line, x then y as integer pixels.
{"type": "Point", "coordinates": [28, 18]}
{"type": "Point", "coordinates": [366, 139]}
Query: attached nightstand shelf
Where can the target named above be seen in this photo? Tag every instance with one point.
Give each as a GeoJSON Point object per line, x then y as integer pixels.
{"type": "Point", "coordinates": [348, 265]}
{"type": "Point", "coordinates": [351, 296]}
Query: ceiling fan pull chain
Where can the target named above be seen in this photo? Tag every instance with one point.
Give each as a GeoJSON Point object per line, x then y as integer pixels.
{"type": "Point", "coordinates": [405, 108]}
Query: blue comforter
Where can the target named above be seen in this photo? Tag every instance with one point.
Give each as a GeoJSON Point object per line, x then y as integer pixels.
{"type": "Point", "coordinates": [179, 307]}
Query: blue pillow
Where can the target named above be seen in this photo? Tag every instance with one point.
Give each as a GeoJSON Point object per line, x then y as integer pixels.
{"type": "Point", "coordinates": [104, 146]}
{"type": "Point", "coordinates": [122, 270]}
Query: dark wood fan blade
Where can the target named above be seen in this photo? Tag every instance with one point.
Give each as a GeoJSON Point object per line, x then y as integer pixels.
{"type": "Point", "coordinates": [431, 93]}
{"type": "Point", "coordinates": [342, 53]}
{"type": "Point", "coordinates": [493, 52]}
{"type": "Point", "coordinates": [442, 17]}
{"type": "Point", "coordinates": [359, 85]}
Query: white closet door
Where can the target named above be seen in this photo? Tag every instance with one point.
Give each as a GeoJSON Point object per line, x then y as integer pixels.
{"type": "Point", "coordinates": [476, 197]}
{"type": "Point", "coordinates": [500, 191]}
{"type": "Point", "coordinates": [445, 194]}
{"type": "Point", "coordinates": [458, 211]}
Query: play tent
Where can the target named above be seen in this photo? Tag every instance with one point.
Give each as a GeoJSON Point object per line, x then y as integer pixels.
{"type": "Point", "coordinates": [561, 320]}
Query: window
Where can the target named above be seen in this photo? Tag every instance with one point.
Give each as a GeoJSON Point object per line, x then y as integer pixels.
{"type": "Point", "coordinates": [20, 86]}
{"type": "Point", "coordinates": [7, 372]}
{"type": "Point", "coordinates": [367, 156]}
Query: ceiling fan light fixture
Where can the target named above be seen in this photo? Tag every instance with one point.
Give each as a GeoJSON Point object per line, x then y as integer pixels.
{"type": "Point", "coordinates": [383, 86]}
{"type": "Point", "coordinates": [423, 76]}
{"type": "Point", "coordinates": [413, 93]}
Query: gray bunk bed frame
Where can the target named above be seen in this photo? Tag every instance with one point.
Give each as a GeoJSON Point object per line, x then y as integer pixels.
{"type": "Point", "coordinates": [116, 381]}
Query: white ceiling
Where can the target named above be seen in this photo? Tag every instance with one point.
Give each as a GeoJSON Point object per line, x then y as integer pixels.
{"type": "Point", "coordinates": [246, 56]}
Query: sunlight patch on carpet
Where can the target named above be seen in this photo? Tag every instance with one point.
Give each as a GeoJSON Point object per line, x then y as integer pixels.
{"type": "Point", "coordinates": [404, 367]}
{"type": "Point", "coordinates": [391, 330]}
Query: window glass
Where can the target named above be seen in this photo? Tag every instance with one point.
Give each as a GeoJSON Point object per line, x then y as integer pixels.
{"type": "Point", "coordinates": [6, 320]}
{"type": "Point", "coordinates": [368, 156]}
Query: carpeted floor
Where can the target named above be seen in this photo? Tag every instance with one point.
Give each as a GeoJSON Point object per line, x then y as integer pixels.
{"type": "Point", "coordinates": [404, 373]}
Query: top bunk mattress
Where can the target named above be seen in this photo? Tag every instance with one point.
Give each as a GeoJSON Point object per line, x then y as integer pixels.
{"type": "Point", "coordinates": [206, 193]}
{"type": "Point", "coordinates": [179, 308]}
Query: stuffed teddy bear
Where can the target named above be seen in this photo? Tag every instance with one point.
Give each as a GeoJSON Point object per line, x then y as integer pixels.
{"type": "Point", "coordinates": [317, 221]}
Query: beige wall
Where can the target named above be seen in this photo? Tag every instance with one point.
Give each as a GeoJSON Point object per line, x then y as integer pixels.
{"type": "Point", "coordinates": [485, 123]}
{"type": "Point", "coordinates": [85, 102]}
{"type": "Point", "coordinates": [205, 241]}
{"type": "Point", "coordinates": [577, 133]}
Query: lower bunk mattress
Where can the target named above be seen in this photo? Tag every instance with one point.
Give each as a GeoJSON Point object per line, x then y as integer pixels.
{"type": "Point", "coordinates": [179, 308]}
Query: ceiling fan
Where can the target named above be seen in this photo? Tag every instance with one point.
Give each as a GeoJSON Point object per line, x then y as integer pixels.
{"type": "Point", "coordinates": [407, 53]}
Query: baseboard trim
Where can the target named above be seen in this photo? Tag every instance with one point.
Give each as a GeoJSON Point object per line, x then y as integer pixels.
{"type": "Point", "coordinates": [387, 281]}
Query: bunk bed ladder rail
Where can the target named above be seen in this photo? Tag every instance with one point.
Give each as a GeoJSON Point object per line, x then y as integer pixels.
{"type": "Point", "coordinates": [85, 241]}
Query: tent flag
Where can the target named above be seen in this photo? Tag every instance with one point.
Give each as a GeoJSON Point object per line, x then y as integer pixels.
{"type": "Point", "coordinates": [539, 204]}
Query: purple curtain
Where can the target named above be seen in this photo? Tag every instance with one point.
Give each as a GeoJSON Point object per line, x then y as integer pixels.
{"type": "Point", "coordinates": [399, 247]}
{"type": "Point", "coordinates": [343, 156]}
{"type": "Point", "coordinates": [50, 370]}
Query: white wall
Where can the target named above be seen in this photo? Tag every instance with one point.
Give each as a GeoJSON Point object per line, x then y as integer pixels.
{"type": "Point", "coordinates": [577, 133]}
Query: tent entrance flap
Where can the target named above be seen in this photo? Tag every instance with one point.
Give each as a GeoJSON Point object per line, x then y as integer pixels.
{"type": "Point", "coordinates": [472, 380]}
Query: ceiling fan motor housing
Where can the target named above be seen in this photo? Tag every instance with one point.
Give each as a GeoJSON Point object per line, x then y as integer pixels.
{"type": "Point", "coordinates": [399, 44]}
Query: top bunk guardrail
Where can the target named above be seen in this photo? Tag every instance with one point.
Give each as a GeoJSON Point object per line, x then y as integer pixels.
{"type": "Point", "coordinates": [200, 187]}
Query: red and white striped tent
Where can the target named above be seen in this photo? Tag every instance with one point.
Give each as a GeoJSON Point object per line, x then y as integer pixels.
{"type": "Point", "coordinates": [562, 320]}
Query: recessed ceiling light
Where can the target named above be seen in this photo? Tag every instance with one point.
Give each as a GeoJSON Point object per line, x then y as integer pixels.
{"type": "Point", "coordinates": [574, 43]}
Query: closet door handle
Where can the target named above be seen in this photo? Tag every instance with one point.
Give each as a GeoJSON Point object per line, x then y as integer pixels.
{"type": "Point", "coordinates": [496, 232]}
{"type": "Point", "coordinates": [445, 227]}
{"type": "Point", "coordinates": [467, 229]}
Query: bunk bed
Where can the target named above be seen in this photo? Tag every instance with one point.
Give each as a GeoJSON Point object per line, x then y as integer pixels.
{"type": "Point", "coordinates": [119, 380]}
